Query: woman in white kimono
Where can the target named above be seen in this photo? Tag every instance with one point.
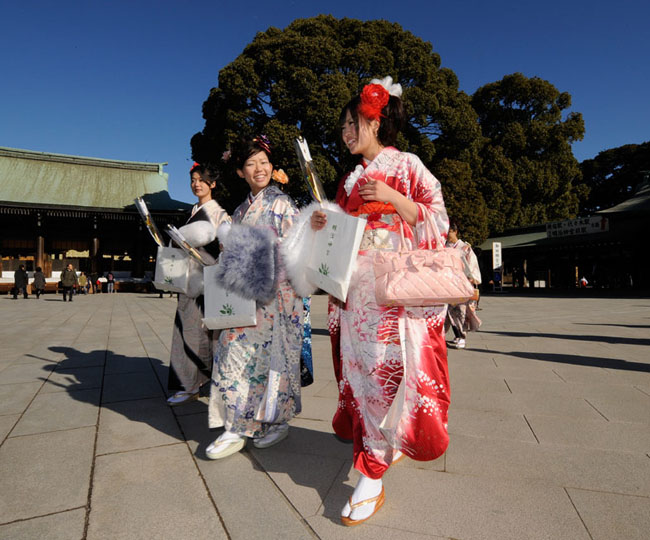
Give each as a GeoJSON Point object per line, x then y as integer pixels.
{"type": "Point", "coordinates": [462, 317]}
{"type": "Point", "coordinates": [376, 349]}
{"type": "Point", "coordinates": [256, 375]}
{"type": "Point", "coordinates": [191, 351]}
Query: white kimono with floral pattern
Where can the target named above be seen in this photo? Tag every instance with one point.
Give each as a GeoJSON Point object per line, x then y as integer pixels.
{"type": "Point", "coordinates": [256, 371]}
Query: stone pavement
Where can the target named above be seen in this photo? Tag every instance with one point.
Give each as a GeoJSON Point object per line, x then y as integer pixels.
{"type": "Point", "coordinates": [549, 424]}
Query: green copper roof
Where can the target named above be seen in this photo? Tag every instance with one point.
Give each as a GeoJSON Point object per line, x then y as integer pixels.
{"type": "Point", "coordinates": [41, 178]}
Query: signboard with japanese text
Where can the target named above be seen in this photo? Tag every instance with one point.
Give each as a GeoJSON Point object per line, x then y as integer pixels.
{"type": "Point", "coordinates": [497, 261]}
{"type": "Point", "coordinates": [577, 226]}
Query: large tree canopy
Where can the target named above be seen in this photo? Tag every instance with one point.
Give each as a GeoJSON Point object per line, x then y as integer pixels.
{"type": "Point", "coordinates": [296, 81]}
{"type": "Point", "coordinates": [529, 174]}
{"type": "Point", "coordinates": [509, 165]}
{"type": "Point", "coordinates": [613, 175]}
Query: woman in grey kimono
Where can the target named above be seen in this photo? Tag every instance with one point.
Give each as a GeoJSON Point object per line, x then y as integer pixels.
{"type": "Point", "coordinates": [256, 374]}
{"type": "Point", "coordinates": [191, 352]}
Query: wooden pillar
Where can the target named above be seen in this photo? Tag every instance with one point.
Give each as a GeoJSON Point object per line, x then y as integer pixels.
{"type": "Point", "coordinates": [40, 251]}
{"type": "Point", "coordinates": [94, 254]}
{"type": "Point", "coordinates": [137, 263]}
{"type": "Point", "coordinates": [40, 241]}
{"type": "Point", "coordinates": [94, 247]}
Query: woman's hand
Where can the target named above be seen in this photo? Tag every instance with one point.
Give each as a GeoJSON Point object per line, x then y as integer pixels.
{"type": "Point", "coordinates": [377, 191]}
{"type": "Point", "coordinates": [318, 220]}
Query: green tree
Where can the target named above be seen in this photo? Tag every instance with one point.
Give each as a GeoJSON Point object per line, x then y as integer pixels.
{"type": "Point", "coordinates": [613, 175]}
{"type": "Point", "coordinates": [528, 172]}
{"type": "Point", "coordinates": [296, 81]}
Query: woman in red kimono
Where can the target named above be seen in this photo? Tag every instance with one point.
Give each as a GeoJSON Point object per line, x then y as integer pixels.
{"type": "Point", "coordinates": [390, 362]}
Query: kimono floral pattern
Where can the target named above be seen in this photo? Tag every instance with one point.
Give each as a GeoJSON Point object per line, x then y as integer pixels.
{"type": "Point", "coordinates": [390, 362]}
{"type": "Point", "coordinates": [256, 371]}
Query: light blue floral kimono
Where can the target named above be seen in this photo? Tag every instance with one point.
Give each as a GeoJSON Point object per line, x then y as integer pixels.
{"type": "Point", "coordinates": [256, 371]}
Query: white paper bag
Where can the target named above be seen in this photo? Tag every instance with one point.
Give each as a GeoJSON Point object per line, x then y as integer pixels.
{"type": "Point", "coordinates": [335, 252]}
{"type": "Point", "coordinates": [171, 270]}
{"type": "Point", "coordinates": [224, 309]}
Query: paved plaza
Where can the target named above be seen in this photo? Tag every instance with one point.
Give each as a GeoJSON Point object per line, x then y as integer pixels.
{"type": "Point", "coordinates": [549, 425]}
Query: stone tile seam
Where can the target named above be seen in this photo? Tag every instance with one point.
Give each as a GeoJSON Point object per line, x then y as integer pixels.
{"type": "Point", "coordinates": [566, 491]}
{"type": "Point", "coordinates": [99, 413]}
{"type": "Point", "coordinates": [560, 376]}
{"type": "Point", "coordinates": [596, 409]}
{"type": "Point", "coordinates": [42, 515]}
{"type": "Point", "coordinates": [531, 429]}
{"type": "Point", "coordinates": [54, 431]}
{"type": "Point", "coordinates": [206, 487]}
{"type": "Point", "coordinates": [300, 517]}
{"type": "Point", "coordinates": [24, 411]}
{"type": "Point", "coordinates": [181, 431]}
{"type": "Point", "coordinates": [140, 398]}
{"type": "Point", "coordinates": [641, 390]}
{"type": "Point", "coordinates": [609, 492]}
{"type": "Point", "coordinates": [153, 447]}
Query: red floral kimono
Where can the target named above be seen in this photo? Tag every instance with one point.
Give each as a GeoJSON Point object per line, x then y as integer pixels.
{"type": "Point", "coordinates": [389, 356]}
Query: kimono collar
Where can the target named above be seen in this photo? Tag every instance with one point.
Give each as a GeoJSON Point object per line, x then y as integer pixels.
{"type": "Point", "coordinates": [269, 192]}
{"type": "Point", "coordinates": [351, 199]}
{"type": "Point", "coordinates": [381, 159]}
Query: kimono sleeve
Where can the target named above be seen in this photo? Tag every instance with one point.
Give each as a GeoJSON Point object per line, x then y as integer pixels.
{"type": "Point", "coordinates": [285, 213]}
{"type": "Point", "coordinates": [427, 193]}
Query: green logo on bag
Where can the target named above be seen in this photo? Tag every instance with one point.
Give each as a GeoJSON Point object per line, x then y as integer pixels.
{"type": "Point", "coordinates": [324, 269]}
{"type": "Point", "coordinates": [227, 309]}
{"type": "Point", "coordinates": [169, 280]}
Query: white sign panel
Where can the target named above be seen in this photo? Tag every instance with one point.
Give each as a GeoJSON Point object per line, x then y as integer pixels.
{"type": "Point", "coordinates": [497, 262]}
{"type": "Point", "coordinates": [573, 227]}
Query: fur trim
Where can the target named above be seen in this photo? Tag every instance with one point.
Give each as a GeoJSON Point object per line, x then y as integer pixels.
{"type": "Point", "coordinates": [248, 264]}
{"type": "Point", "coordinates": [199, 233]}
{"type": "Point", "coordinates": [296, 247]}
{"type": "Point", "coordinates": [194, 279]}
{"type": "Point", "coordinates": [223, 230]}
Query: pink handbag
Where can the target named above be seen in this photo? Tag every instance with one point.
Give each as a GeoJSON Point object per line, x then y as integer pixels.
{"type": "Point", "coordinates": [422, 277]}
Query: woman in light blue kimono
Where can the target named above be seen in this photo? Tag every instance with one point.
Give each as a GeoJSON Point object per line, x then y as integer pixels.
{"type": "Point", "coordinates": [256, 373]}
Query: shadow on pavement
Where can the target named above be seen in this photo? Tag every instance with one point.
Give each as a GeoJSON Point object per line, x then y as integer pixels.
{"type": "Point", "coordinates": [614, 340]}
{"type": "Point", "coordinates": [613, 324]}
{"type": "Point", "coordinates": [129, 379]}
{"type": "Point", "coordinates": [310, 458]}
{"type": "Point", "coordinates": [573, 359]}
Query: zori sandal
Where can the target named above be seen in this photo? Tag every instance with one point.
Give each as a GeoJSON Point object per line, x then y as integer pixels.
{"type": "Point", "coordinates": [379, 502]}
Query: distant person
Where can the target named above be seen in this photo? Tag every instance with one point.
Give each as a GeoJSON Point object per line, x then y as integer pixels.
{"type": "Point", "coordinates": [39, 282]}
{"type": "Point", "coordinates": [69, 281]}
{"type": "Point", "coordinates": [461, 317]}
{"type": "Point", "coordinates": [110, 282]}
{"type": "Point", "coordinates": [94, 280]}
{"type": "Point", "coordinates": [20, 282]}
{"type": "Point", "coordinates": [83, 283]}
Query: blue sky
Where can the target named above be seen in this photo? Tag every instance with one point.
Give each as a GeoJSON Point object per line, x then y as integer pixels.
{"type": "Point", "coordinates": [126, 79]}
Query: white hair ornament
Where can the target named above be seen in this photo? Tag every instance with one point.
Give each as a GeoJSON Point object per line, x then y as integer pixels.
{"type": "Point", "coordinates": [387, 83]}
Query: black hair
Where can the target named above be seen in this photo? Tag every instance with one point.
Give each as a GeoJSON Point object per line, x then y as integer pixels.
{"type": "Point", "coordinates": [391, 122]}
{"type": "Point", "coordinates": [453, 225]}
{"type": "Point", "coordinates": [247, 148]}
{"type": "Point", "coordinates": [39, 269]}
{"type": "Point", "coordinates": [206, 177]}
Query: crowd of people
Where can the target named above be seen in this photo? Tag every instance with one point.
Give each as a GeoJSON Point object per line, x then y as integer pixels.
{"type": "Point", "coordinates": [383, 356]}
{"type": "Point", "coordinates": [71, 282]}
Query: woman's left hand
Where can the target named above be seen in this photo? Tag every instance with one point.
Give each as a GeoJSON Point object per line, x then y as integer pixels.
{"type": "Point", "coordinates": [373, 190]}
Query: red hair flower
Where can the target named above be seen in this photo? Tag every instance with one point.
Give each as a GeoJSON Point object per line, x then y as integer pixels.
{"type": "Point", "coordinates": [374, 97]}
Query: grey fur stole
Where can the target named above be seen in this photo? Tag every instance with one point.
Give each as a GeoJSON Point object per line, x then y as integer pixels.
{"type": "Point", "coordinates": [248, 264]}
